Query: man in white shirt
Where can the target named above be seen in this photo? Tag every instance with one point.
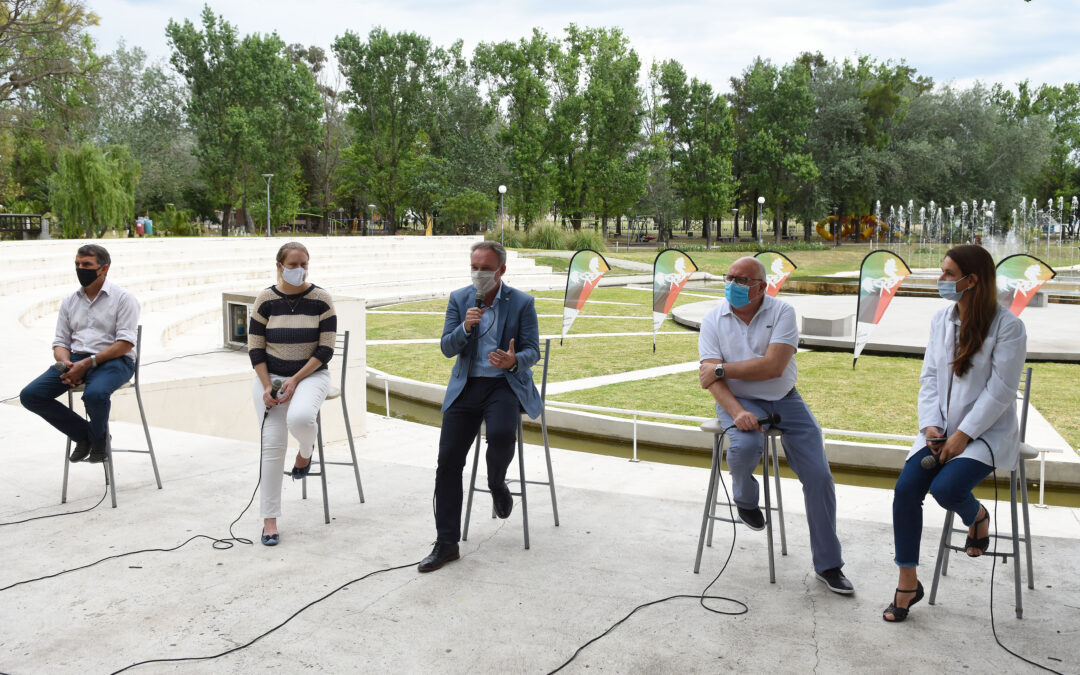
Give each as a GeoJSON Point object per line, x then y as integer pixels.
{"type": "Point", "coordinates": [94, 345]}
{"type": "Point", "coordinates": [747, 344]}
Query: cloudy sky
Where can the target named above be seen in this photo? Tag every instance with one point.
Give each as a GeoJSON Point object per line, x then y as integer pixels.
{"type": "Point", "coordinates": [958, 41]}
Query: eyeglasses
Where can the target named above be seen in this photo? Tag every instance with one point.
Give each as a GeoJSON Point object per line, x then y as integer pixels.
{"type": "Point", "coordinates": [742, 281]}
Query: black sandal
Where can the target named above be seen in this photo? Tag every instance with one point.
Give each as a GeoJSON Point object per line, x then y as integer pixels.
{"type": "Point", "coordinates": [900, 613]}
{"type": "Point", "coordinates": [982, 543]}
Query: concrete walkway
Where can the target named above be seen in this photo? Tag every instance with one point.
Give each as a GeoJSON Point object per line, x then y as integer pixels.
{"type": "Point", "coordinates": [628, 535]}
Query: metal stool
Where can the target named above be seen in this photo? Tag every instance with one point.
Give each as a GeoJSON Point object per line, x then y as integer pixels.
{"type": "Point", "coordinates": [110, 477]}
{"type": "Point", "coordinates": [771, 437]}
{"type": "Point", "coordinates": [550, 482]}
{"type": "Point", "coordinates": [341, 349]}
{"type": "Point", "coordinates": [1017, 482]}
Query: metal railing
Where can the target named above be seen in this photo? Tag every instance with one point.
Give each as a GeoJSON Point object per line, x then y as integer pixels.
{"type": "Point", "coordinates": [635, 414]}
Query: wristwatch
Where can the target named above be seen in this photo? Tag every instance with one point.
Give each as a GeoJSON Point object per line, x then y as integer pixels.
{"type": "Point", "coordinates": [513, 368]}
{"type": "Point", "coordinates": [93, 360]}
{"type": "Point", "coordinates": [718, 371]}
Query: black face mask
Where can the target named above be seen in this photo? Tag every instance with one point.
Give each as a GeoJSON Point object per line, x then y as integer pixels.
{"type": "Point", "coordinates": [87, 277]}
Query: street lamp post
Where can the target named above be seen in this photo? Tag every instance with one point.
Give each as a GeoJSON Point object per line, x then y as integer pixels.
{"type": "Point", "coordinates": [268, 177]}
{"type": "Point", "coordinates": [502, 228]}
{"type": "Point", "coordinates": [735, 224]}
{"type": "Point", "coordinates": [371, 216]}
{"type": "Point", "coordinates": [757, 214]}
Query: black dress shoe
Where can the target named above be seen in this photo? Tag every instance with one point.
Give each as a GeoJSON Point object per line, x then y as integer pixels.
{"type": "Point", "coordinates": [752, 518]}
{"type": "Point", "coordinates": [836, 581]}
{"type": "Point", "coordinates": [99, 452]}
{"type": "Point", "coordinates": [300, 472]}
{"type": "Point", "coordinates": [443, 553]}
{"type": "Point", "coordinates": [502, 500]}
{"type": "Point", "coordinates": [82, 449]}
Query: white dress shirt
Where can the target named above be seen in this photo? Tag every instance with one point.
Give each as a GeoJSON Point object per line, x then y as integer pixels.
{"type": "Point", "coordinates": [724, 336]}
{"type": "Point", "coordinates": [982, 403]}
{"type": "Point", "coordinates": [88, 326]}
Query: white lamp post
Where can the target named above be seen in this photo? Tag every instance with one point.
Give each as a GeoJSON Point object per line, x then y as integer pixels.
{"type": "Point", "coordinates": [502, 238]}
{"type": "Point", "coordinates": [757, 218]}
{"type": "Point", "coordinates": [268, 176]}
{"type": "Point", "coordinates": [371, 215]}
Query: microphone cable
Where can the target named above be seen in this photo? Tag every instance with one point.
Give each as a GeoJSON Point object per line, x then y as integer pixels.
{"type": "Point", "coordinates": [702, 597]}
{"type": "Point", "coordinates": [993, 566]}
{"type": "Point", "coordinates": [65, 513]}
{"type": "Point", "coordinates": [218, 543]}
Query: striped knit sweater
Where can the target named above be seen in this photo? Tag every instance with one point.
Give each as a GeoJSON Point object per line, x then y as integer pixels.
{"type": "Point", "coordinates": [287, 330]}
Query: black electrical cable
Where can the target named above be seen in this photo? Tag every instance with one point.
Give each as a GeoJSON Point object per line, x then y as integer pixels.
{"type": "Point", "coordinates": [993, 567]}
{"type": "Point", "coordinates": [278, 626]}
{"type": "Point", "coordinates": [65, 513]}
{"type": "Point", "coordinates": [219, 543]}
{"type": "Point", "coordinates": [700, 598]}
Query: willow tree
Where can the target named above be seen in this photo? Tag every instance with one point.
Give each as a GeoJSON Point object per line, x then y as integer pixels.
{"type": "Point", "coordinates": [93, 189]}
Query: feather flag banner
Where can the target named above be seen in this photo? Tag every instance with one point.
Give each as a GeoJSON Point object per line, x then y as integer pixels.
{"type": "Point", "coordinates": [879, 278]}
{"type": "Point", "coordinates": [671, 270]}
{"type": "Point", "coordinates": [1019, 278]}
{"type": "Point", "coordinates": [778, 267]}
{"type": "Point", "coordinates": [586, 268]}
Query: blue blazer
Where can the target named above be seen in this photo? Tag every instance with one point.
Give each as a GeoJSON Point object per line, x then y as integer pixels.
{"type": "Point", "coordinates": [515, 318]}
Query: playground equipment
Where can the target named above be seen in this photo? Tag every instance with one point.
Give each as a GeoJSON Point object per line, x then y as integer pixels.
{"type": "Point", "coordinates": [866, 226]}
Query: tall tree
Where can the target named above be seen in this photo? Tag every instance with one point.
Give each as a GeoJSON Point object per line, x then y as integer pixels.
{"type": "Point", "coordinates": [252, 108]}
{"type": "Point", "coordinates": [517, 76]}
{"type": "Point", "coordinates": [94, 189]}
{"type": "Point", "coordinates": [392, 81]}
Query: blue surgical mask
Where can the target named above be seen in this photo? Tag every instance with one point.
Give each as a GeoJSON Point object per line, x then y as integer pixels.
{"type": "Point", "coordinates": [294, 276]}
{"type": "Point", "coordinates": [737, 296]}
{"type": "Point", "coordinates": [947, 289]}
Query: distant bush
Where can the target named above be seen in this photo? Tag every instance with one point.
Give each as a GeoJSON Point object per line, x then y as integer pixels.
{"type": "Point", "coordinates": [546, 236]}
{"type": "Point", "coordinates": [580, 239]}
{"type": "Point", "coordinates": [510, 238]}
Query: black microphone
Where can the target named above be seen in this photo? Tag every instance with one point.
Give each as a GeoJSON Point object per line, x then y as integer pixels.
{"type": "Point", "coordinates": [931, 462]}
{"type": "Point", "coordinates": [773, 419]}
{"type": "Point", "coordinates": [479, 298]}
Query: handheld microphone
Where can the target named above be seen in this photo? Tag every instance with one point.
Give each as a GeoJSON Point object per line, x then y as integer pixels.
{"type": "Point", "coordinates": [479, 298]}
{"type": "Point", "coordinates": [931, 462]}
{"type": "Point", "coordinates": [773, 419]}
{"type": "Point", "coordinates": [61, 367]}
{"type": "Point", "coordinates": [275, 386]}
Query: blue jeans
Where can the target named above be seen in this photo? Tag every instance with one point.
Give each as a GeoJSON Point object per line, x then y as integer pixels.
{"type": "Point", "coordinates": [39, 397]}
{"type": "Point", "coordinates": [950, 484]}
{"type": "Point", "coordinates": [805, 453]}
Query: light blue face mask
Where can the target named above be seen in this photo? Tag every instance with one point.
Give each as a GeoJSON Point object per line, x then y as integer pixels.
{"type": "Point", "coordinates": [737, 295]}
{"type": "Point", "coordinates": [947, 289]}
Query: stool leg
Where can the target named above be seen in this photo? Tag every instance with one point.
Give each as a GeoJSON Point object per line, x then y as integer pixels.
{"type": "Point", "coordinates": [472, 488]}
{"type": "Point", "coordinates": [768, 513]}
{"type": "Point", "coordinates": [941, 565]}
{"type": "Point", "coordinates": [1015, 544]}
{"type": "Point", "coordinates": [352, 447]}
{"type": "Point", "coordinates": [551, 474]}
{"type": "Point", "coordinates": [710, 498]}
{"type": "Point", "coordinates": [322, 469]}
{"type": "Point", "coordinates": [110, 476]}
{"type": "Point", "coordinates": [1027, 525]}
{"type": "Point", "coordinates": [146, 430]}
{"type": "Point", "coordinates": [67, 453]}
{"type": "Point", "coordinates": [521, 473]}
{"type": "Point", "coordinates": [716, 495]}
{"type": "Point", "coordinates": [779, 497]}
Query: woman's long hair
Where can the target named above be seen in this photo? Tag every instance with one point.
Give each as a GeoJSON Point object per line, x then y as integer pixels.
{"type": "Point", "coordinates": [982, 304]}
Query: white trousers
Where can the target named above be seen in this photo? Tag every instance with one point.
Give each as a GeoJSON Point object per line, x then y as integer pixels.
{"type": "Point", "coordinates": [297, 417]}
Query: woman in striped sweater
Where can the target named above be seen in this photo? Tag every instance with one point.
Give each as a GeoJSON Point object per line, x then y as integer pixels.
{"type": "Point", "coordinates": [290, 341]}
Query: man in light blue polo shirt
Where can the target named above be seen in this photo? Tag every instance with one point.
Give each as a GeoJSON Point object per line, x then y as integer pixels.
{"type": "Point", "coordinates": [746, 347]}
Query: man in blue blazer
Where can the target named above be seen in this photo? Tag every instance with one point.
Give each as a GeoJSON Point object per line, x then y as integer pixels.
{"type": "Point", "coordinates": [492, 330]}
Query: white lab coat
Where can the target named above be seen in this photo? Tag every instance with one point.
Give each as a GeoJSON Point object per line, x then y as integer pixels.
{"type": "Point", "coordinates": [982, 403]}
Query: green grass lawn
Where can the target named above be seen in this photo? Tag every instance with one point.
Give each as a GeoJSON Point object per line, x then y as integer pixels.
{"type": "Point", "coordinates": [879, 395]}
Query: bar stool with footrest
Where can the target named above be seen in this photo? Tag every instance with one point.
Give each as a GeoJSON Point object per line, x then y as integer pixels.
{"type": "Point", "coordinates": [341, 350]}
{"type": "Point", "coordinates": [1017, 484]}
{"type": "Point", "coordinates": [550, 482]}
{"type": "Point", "coordinates": [712, 500]}
{"type": "Point", "coordinates": [110, 477]}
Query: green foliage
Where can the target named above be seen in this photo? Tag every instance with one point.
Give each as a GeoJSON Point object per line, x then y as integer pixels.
{"type": "Point", "coordinates": [547, 236]}
{"type": "Point", "coordinates": [584, 238]}
{"type": "Point", "coordinates": [470, 209]}
{"type": "Point", "coordinates": [510, 238]}
{"type": "Point", "coordinates": [173, 222]}
{"type": "Point", "coordinates": [93, 189]}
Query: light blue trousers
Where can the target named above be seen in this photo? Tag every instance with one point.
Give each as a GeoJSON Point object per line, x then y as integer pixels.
{"type": "Point", "coordinates": [805, 452]}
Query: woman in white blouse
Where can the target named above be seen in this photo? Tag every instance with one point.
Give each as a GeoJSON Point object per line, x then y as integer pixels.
{"type": "Point", "coordinates": [967, 413]}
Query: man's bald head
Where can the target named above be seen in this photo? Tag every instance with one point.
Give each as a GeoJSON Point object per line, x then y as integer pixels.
{"type": "Point", "coordinates": [748, 266]}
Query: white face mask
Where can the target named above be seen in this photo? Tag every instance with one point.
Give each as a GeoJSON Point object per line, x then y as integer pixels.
{"type": "Point", "coordinates": [293, 276]}
{"type": "Point", "coordinates": [483, 280]}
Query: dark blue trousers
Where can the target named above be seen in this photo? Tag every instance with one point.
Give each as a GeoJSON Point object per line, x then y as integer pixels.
{"type": "Point", "coordinates": [40, 396]}
{"type": "Point", "coordinates": [484, 399]}
{"type": "Point", "coordinates": [950, 484]}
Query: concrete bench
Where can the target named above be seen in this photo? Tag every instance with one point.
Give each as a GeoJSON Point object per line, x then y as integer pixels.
{"type": "Point", "coordinates": [836, 324]}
